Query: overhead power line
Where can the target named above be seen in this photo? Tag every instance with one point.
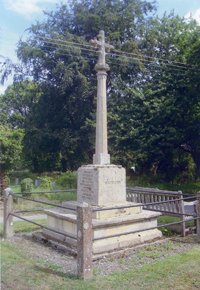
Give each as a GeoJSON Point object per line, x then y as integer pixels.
{"type": "Point", "coordinates": [112, 55]}
{"type": "Point", "coordinates": [120, 53]}
{"type": "Point", "coordinates": [120, 59]}
{"type": "Point", "coordinates": [117, 53]}
{"type": "Point", "coordinates": [67, 43]}
{"type": "Point", "coordinates": [110, 60]}
{"type": "Point", "coordinates": [156, 62]}
{"type": "Point", "coordinates": [92, 54]}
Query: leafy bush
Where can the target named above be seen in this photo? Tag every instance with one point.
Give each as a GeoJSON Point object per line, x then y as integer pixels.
{"type": "Point", "coordinates": [47, 182]}
{"type": "Point", "coordinates": [26, 185]}
{"type": "Point", "coordinates": [67, 179]}
{"type": "Point", "coordinates": [21, 174]}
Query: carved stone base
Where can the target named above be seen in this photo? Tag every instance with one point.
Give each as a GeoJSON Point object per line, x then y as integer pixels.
{"type": "Point", "coordinates": [105, 227]}
{"type": "Point", "coordinates": [101, 185]}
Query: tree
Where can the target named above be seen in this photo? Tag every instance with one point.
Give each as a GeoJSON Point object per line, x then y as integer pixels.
{"type": "Point", "coordinates": [153, 102]}
{"type": "Point", "coordinates": [17, 102]}
{"type": "Point", "coordinates": [10, 150]}
{"type": "Point", "coordinates": [171, 127]}
{"type": "Point", "coordinates": [153, 120]}
{"type": "Point", "coordinates": [59, 132]}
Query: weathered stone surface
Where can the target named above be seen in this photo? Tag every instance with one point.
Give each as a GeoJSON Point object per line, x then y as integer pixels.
{"type": "Point", "coordinates": [101, 185]}
{"type": "Point", "coordinates": [62, 221]}
{"type": "Point", "coordinates": [107, 214]}
{"type": "Point", "coordinates": [105, 227]}
{"type": "Point", "coordinates": [104, 213]}
{"type": "Point", "coordinates": [124, 241]}
{"type": "Point", "coordinates": [101, 155]}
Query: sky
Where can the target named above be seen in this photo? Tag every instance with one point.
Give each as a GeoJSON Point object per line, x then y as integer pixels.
{"type": "Point", "coordinates": [17, 15]}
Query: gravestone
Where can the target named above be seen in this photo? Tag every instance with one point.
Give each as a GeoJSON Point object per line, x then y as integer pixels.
{"type": "Point", "coordinates": [38, 182]}
{"type": "Point", "coordinates": [16, 181]}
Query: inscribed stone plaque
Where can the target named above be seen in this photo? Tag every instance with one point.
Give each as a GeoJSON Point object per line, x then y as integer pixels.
{"type": "Point", "coordinates": [101, 184]}
{"type": "Point", "coordinates": [86, 183]}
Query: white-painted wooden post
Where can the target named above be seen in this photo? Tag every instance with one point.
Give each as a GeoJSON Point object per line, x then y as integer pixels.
{"type": "Point", "coordinates": [84, 241]}
{"type": "Point", "coordinates": [8, 219]}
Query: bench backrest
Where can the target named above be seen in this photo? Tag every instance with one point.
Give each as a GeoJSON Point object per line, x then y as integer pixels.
{"type": "Point", "coordinates": [172, 200]}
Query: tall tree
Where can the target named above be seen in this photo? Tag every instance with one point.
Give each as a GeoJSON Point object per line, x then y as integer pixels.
{"type": "Point", "coordinates": [162, 122]}
{"type": "Point", "coordinates": [60, 129]}
{"type": "Point", "coordinates": [17, 102]}
{"type": "Point", "coordinates": [153, 102]}
{"type": "Point", "coordinates": [10, 150]}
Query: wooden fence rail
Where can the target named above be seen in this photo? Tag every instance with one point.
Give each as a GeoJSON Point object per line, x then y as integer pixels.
{"type": "Point", "coordinates": [84, 219]}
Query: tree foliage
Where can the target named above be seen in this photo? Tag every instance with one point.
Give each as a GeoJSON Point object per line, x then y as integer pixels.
{"type": "Point", "coordinates": [61, 136]}
{"type": "Point", "coordinates": [10, 147]}
{"type": "Point", "coordinates": [153, 122]}
{"type": "Point", "coordinates": [153, 103]}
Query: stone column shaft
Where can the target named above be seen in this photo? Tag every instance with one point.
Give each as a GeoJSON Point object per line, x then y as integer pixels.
{"type": "Point", "coordinates": [101, 149]}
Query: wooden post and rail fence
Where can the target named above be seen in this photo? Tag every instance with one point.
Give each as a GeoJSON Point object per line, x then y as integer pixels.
{"type": "Point", "coordinates": [84, 231]}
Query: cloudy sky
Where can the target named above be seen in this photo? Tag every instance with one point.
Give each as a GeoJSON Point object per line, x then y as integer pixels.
{"type": "Point", "coordinates": [17, 15]}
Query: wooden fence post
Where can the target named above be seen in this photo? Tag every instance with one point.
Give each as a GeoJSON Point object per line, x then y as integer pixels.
{"type": "Point", "coordinates": [7, 218]}
{"type": "Point", "coordinates": [182, 209]}
{"type": "Point", "coordinates": [84, 241]}
{"type": "Point", "coordinates": [198, 214]}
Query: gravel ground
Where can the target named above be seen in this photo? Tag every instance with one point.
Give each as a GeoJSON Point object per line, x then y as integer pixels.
{"type": "Point", "coordinates": [44, 255]}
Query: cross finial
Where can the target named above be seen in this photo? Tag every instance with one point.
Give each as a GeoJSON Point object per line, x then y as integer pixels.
{"type": "Point", "coordinates": [102, 46]}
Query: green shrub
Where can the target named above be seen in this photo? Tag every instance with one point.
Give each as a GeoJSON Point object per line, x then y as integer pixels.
{"type": "Point", "coordinates": [46, 182]}
{"type": "Point", "coordinates": [26, 185]}
{"type": "Point", "coordinates": [67, 179]}
{"type": "Point", "coordinates": [21, 174]}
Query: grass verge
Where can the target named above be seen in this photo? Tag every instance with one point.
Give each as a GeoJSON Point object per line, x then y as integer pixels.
{"type": "Point", "coordinates": [178, 272]}
{"type": "Point", "coordinates": [22, 226]}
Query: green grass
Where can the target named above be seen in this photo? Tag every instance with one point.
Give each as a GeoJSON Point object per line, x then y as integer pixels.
{"type": "Point", "coordinates": [144, 181]}
{"type": "Point", "coordinates": [22, 226]}
{"type": "Point", "coordinates": [171, 219]}
{"type": "Point", "coordinates": [52, 197]}
{"type": "Point", "coordinates": [155, 251]}
{"type": "Point", "coordinates": [61, 196]}
{"type": "Point", "coordinates": [180, 272]}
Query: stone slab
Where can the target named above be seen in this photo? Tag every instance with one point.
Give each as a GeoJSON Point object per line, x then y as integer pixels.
{"type": "Point", "coordinates": [101, 185]}
{"type": "Point", "coordinates": [104, 228]}
{"type": "Point", "coordinates": [105, 212]}
{"type": "Point", "coordinates": [124, 241]}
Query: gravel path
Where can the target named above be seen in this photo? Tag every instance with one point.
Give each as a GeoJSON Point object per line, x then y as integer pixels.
{"type": "Point", "coordinates": [45, 256]}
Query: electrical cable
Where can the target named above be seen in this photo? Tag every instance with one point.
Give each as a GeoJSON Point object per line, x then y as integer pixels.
{"type": "Point", "coordinates": [120, 53]}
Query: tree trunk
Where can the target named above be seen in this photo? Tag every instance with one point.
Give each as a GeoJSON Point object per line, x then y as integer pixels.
{"type": "Point", "coordinates": [196, 158]}
{"type": "Point", "coordinates": [3, 181]}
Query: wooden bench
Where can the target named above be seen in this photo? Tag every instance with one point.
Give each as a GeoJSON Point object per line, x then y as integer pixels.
{"type": "Point", "coordinates": [172, 205]}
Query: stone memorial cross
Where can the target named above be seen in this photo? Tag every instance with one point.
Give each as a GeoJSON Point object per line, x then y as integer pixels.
{"type": "Point", "coordinates": [101, 155]}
